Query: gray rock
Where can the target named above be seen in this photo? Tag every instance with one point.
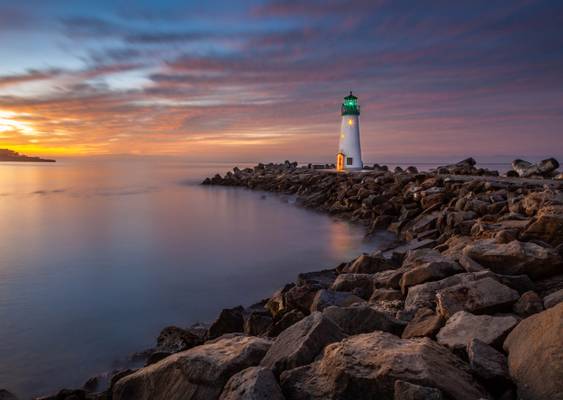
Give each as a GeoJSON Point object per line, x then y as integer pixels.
{"type": "Point", "coordinates": [323, 279]}
{"type": "Point", "coordinates": [480, 296]}
{"type": "Point", "coordinates": [363, 318]}
{"type": "Point", "coordinates": [197, 373]}
{"type": "Point", "coordinates": [385, 294]}
{"type": "Point", "coordinates": [365, 367]}
{"type": "Point", "coordinates": [486, 362]}
{"type": "Point", "coordinates": [535, 355]}
{"type": "Point", "coordinates": [326, 298]}
{"type": "Point", "coordinates": [301, 343]}
{"type": "Point", "coordinates": [285, 321]}
{"type": "Point", "coordinates": [516, 258]}
{"type": "Point", "coordinates": [553, 299]}
{"type": "Point", "coordinates": [463, 327]}
{"type": "Point", "coordinates": [410, 391]}
{"type": "Point", "coordinates": [254, 383]}
{"type": "Point", "coordinates": [173, 339]}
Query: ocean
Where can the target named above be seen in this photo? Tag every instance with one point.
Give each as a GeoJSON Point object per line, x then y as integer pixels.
{"type": "Point", "coordinates": [96, 257]}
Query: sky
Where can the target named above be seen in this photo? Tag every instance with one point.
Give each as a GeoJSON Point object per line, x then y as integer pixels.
{"type": "Point", "coordinates": [223, 80]}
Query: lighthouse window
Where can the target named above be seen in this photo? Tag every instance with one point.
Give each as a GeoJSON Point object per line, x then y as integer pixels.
{"type": "Point", "coordinates": [350, 122]}
{"type": "Point", "coordinates": [349, 160]}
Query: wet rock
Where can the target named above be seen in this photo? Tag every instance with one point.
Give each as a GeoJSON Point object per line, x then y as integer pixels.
{"type": "Point", "coordinates": [359, 284]}
{"type": "Point", "coordinates": [526, 169]}
{"type": "Point", "coordinates": [480, 296]}
{"type": "Point", "coordinates": [326, 298]}
{"type": "Point", "coordinates": [529, 303]}
{"type": "Point", "coordinates": [516, 258]}
{"type": "Point", "coordinates": [410, 391]}
{"type": "Point", "coordinates": [173, 339]}
{"type": "Point", "coordinates": [366, 366]}
{"type": "Point", "coordinates": [553, 299]}
{"type": "Point", "coordinates": [535, 355]}
{"type": "Point", "coordinates": [254, 383]}
{"type": "Point", "coordinates": [363, 318]}
{"type": "Point", "coordinates": [463, 327]}
{"type": "Point", "coordinates": [425, 265]}
{"type": "Point", "coordinates": [301, 343]}
{"type": "Point", "coordinates": [486, 362]}
{"type": "Point", "coordinates": [197, 373]}
{"type": "Point", "coordinates": [425, 323]}
{"type": "Point", "coordinates": [366, 264]}
{"type": "Point", "coordinates": [230, 320]}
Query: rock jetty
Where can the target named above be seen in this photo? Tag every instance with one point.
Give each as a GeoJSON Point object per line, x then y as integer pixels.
{"type": "Point", "coordinates": [467, 304]}
{"type": "Point", "coordinates": [9, 155]}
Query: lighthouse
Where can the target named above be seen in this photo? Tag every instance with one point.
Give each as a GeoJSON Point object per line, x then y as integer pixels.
{"type": "Point", "coordinates": [349, 151]}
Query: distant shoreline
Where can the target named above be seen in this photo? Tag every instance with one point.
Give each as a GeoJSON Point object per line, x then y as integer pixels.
{"type": "Point", "coordinates": [7, 155]}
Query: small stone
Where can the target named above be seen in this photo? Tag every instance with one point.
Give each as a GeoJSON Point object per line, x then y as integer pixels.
{"type": "Point", "coordinates": [362, 318]}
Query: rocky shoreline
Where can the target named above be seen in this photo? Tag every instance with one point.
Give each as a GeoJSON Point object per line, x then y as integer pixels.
{"type": "Point", "coordinates": [467, 304]}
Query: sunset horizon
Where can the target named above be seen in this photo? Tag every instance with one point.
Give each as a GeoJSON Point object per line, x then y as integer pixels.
{"type": "Point", "coordinates": [267, 78]}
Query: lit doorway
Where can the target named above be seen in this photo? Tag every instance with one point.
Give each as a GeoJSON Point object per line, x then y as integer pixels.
{"type": "Point", "coordinates": [340, 162]}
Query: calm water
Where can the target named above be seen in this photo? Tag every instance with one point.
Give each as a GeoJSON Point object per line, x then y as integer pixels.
{"type": "Point", "coordinates": [96, 258]}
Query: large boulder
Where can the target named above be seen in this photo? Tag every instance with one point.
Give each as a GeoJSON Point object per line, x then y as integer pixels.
{"type": "Point", "coordinates": [425, 265]}
{"type": "Point", "coordinates": [197, 373]}
{"type": "Point", "coordinates": [526, 169]}
{"type": "Point", "coordinates": [516, 258]}
{"type": "Point", "coordinates": [481, 296]}
{"type": "Point", "coordinates": [463, 327]}
{"type": "Point", "coordinates": [529, 303]}
{"type": "Point", "coordinates": [363, 318]}
{"type": "Point", "coordinates": [535, 355]}
{"type": "Point", "coordinates": [366, 367]}
{"type": "Point", "coordinates": [301, 343]}
{"type": "Point", "coordinates": [254, 383]}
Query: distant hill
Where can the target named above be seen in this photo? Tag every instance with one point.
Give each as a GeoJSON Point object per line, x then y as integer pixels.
{"type": "Point", "coordinates": [10, 155]}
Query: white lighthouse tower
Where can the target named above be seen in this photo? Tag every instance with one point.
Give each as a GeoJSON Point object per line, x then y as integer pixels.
{"type": "Point", "coordinates": [349, 151]}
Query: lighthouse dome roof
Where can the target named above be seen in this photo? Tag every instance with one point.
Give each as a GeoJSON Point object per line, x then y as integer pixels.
{"type": "Point", "coordinates": [350, 97]}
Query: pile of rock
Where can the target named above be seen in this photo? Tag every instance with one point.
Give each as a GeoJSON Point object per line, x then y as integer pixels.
{"type": "Point", "coordinates": [468, 305]}
{"type": "Point", "coordinates": [544, 169]}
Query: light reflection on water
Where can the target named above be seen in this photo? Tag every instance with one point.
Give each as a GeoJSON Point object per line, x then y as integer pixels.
{"type": "Point", "coordinates": [95, 258]}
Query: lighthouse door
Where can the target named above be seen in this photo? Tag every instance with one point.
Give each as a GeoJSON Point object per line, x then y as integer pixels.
{"type": "Point", "coordinates": [340, 162]}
